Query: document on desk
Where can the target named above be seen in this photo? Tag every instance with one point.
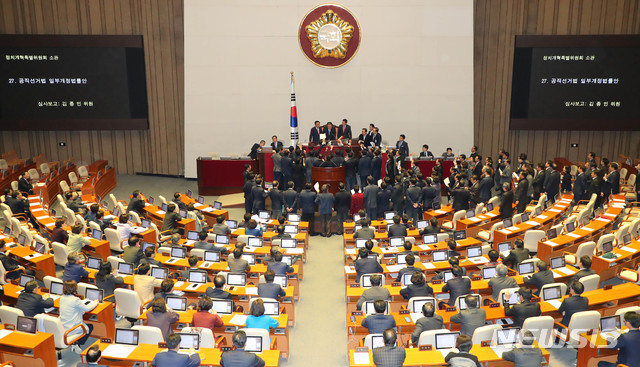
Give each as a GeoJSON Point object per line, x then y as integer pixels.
{"type": "Point", "coordinates": [349, 269]}
{"type": "Point", "coordinates": [550, 243]}
{"type": "Point", "coordinates": [300, 251]}
{"type": "Point", "coordinates": [440, 211]}
{"type": "Point", "coordinates": [415, 316]}
{"type": "Point", "coordinates": [197, 205]}
{"type": "Point", "coordinates": [178, 284]}
{"type": "Point", "coordinates": [361, 358]}
{"type": "Point", "coordinates": [5, 332]}
{"type": "Point", "coordinates": [208, 209]}
{"type": "Point", "coordinates": [513, 228]}
{"type": "Point", "coordinates": [474, 219]}
{"type": "Point", "coordinates": [429, 266]}
{"type": "Point", "coordinates": [349, 251]}
{"type": "Point", "coordinates": [161, 212]}
{"type": "Point", "coordinates": [555, 303]}
{"type": "Point", "coordinates": [588, 229]}
{"type": "Point", "coordinates": [491, 214]}
{"type": "Point", "coordinates": [628, 249]}
{"type": "Point", "coordinates": [239, 320]}
{"type": "Point", "coordinates": [565, 271]}
{"type": "Point", "coordinates": [478, 260]}
{"type": "Point", "coordinates": [34, 255]}
{"type": "Point", "coordinates": [394, 268]}
{"type": "Point", "coordinates": [389, 250]}
{"type": "Point", "coordinates": [542, 217]}
{"type": "Point", "coordinates": [531, 223]}
{"type": "Point", "coordinates": [253, 291]}
{"type": "Point", "coordinates": [42, 217]}
{"type": "Point", "coordinates": [555, 210]}
{"type": "Point", "coordinates": [118, 350]}
{"type": "Point", "coordinates": [603, 219]}
{"type": "Point", "coordinates": [573, 235]}
{"type": "Point", "coordinates": [424, 247]}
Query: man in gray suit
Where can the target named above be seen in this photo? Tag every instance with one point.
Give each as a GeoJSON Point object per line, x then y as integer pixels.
{"type": "Point", "coordinates": [236, 263]}
{"type": "Point", "coordinates": [458, 286]}
{"type": "Point", "coordinates": [517, 255]}
{"type": "Point", "coordinates": [527, 355]}
{"type": "Point", "coordinates": [270, 289]}
{"type": "Point", "coordinates": [389, 355]}
{"type": "Point", "coordinates": [366, 264]}
{"type": "Point", "coordinates": [471, 318]}
{"type": "Point", "coordinates": [379, 322]}
{"type": "Point", "coordinates": [540, 278]}
{"type": "Point", "coordinates": [430, 321]}
{"type": "Point", "coordinates": [133, 253]}
{"type": "Point", "coordinates": [365, 232]}
{"type": "Point", "coordinates": [501, 281]}
{"type": "Point", "coordinates": [171, 358]}
{"type": "Point", "coordinates": [376, 292]}
{"type": "Point", "coordinates": [238, 357]}
{"type": "Point", "coordinates": [371, 198]}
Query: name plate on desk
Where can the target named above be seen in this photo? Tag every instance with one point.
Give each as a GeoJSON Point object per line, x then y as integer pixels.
{"type": "Point", "coordinates": [356, 313]}
{"type": "Point", "coordinates": [494, 305]}
{"type": "Point", "coordinates": [486, 343]}
{"type": "Point", "coordinates": [403, 312]}
{"type": "Point", "coordinates": [362, 350]}
{"type": "Point", "coordinates": [396, 284]}
{"type": "Point", "coordinates": [450, 309]}
{"type": "Point", "coordinates": [425, 347]}
{"type": "Point", "coordinates": [476, 278]}
{"type": "Point", "coordinates": [226, 349]}
{"type": "Point", "coordinates": [105, 340]}
{"type": "Point", "coordinates": [354, 285]}
{"type": "Point", "coordinates": [436, 281]}
{"type": "Point", "coordinates": [162, 345]}
{"type": "Point", "coordinates": [607, 287]}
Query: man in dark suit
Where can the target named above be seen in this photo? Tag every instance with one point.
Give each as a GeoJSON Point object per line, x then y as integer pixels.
{"type": "Point", "coordinates": [627, 343]}
{"type": "Point", "coordinates": [24, 184]}
{"type": "Point", "coordinates": [255, 149]}
{"type": "Point", "coordinates": [371, 198]}
{"type": "Point", "coordinates": [93, 357]}
{"type": "Point", "coordinates": [551, 184]}
{"type": "Point", "coordinates": [364, 167]}
{"type": "Point", "coordinates": [307, 199]}
{"type": "Point", "coordinates": [457, 286]}
{"type": "Point", "coordinates": [275, 143]}
{"type": "Point", "coordinates": [365, 232]}
{"type": "Point", "coordinates": [613, 179]}
{"type": "Point", "coordinates": [524, 309]}
{"type": "Point", "coordinates": [276, 200]}
{"type": "Point", "coordinates": [517, 255]}
{"type": "Point", "coordinates": [344, 130]}
{"type": "Point", "coordinates": [540, 278]}
{"type": "Point", "coordinates": [397, 229]}
{"type": "Point", "coordinates": [470, 318]}
{"type": "Point", "coordinates": [376, 138]}
{"type": "Point", "coordinates": [403, 147]}
{"type": "Point", "coordinates": [133, 253]}
{"type": "Point", "coordinates": [314, 134]}
{"type": "Point", "coordinates": [486, 184]}
{"type": "Point", "coordinates": [248, 198]}
{"type": "Point", "coordinates": [521, 196]}
{"type": "Point", "coordinates": [269, 289]}
{"type": "Point", "coordinates": [585, 270]}
{"type": "Point", "coordinates": [290, 198]}
{"type": "Point", "coordinates": [218, 292]}
{"type": "Point", "coordinates": [136, 204]}
{"type": "Point", "coordinates": [412, 201]}
{"type": "Point", "coordinates": [506, 202]}
{"type": "Point", "coordinates": [171, 358]}
{"type": "Point", "coordinates": [366, 265]}
{"type": "Point", "coordinates": [431, 228]}
{"type": "Point", "coordinates": [527, 355]}
{"type": "Point", "coordinates": [351, 170]}
{"type": "Point", "coordinates": [425, 153]}
{"type": "Point", "coordinates": [474, 191]}
{"type": "Point", "coordinates": [259, 196]}
{"type": "Point", "coordinates": [17, 203]}
{"type": "Point", "coordinates": [579, 185]}
{"type": "Point", "coordinates": [430, 321]}
{"type": "Point", "coordinates": [31, 303]}
{"type": "Point", "coordinates": [397, 197]}
{"type": "Point", "coordinates": [574, 303]}
{"type": "Point", "coordinates": [311, 161]}
{"type": "Point", "coordinates": [286, 166]}
{"type": "Point", "coordinates": [278, 266]}
{"type": "Point", "coordinates": [538, 181]}
{"type": "Point", "coordinates": [324, 200]}
{"type": "Point", "coordinates": [379, 322]}
{"type": "Point", "coordinates": [383, 199]}
{"type": "Point", "coordinates": [376, 165]}
{"type": "Point", "coordinates": [239, 357]}
{"type": "Point", "coordinates": [342, 204]}
{"type": "Point", "coordinates": [460, 195]}
{"type": "Point", "coordinates": [390, 355]}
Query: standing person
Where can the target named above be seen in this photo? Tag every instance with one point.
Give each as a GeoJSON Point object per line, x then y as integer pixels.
{"type": "Point", "coordinates": [344, 130]}
{"type": "Point", "coordinates": [311, 161]}
{"type": "Point", "coordinates": [71, 311]}
{"type": "Point", "coordinates": [383, 198]}
{"type": "Point", "coordinates": [486, 184]}
{"type": "Point", "coordinates": [277, 167]}
{"type": "Point", "coordinates": [325, 209]}
{"type": "Point", "coordinates": [350, 170]}
{"type": "Point", "coordinates": [275, 143]}
{"type": "Point", "coordinates": [390, 167]}
{"type": "Point", "coordinates": [521, 195]}
{"type": "Point", "coordinates": [286, 166]}
{"type": "Point", "coordinates": [342, 204]}
{"type": "Point", "coordinates": [248, 189]}
{"type": "Point", "coordinates": [403, 147]}
{"type": "Point", "coordinates": [566, 179]}
{"type": "Point", "coordinates": [259, 196]}
{"type": "Point", "coordinates": [364, 167]}
{"type": "Point", "coordinates": [298, 171]}
{"type": "Point", "coordinates": [613, 179]}
{"type": "Point", "coordinates": [412, 200]}
{"type": "Point", "coordinates": [538, 181]}
{"type": "Point", "coordinates": [290, 199]}
{"type": "Point", "coordinates": [579, 186]}
{"type": "Point", "coordinates": [371, 198]}
{"type": "Point", "coordinates": [276, 200]}
{"type": "Point", "coordinates": [307, 200]}
{"type": "Point", "coordinates": [376, 165]}
{"type": "Point", "coordinates": [506, 202]}
{"type": "Point", "coordinates": [314, 134]}
{"type": "Point", "coordinates": [551, 184]}
{"type": "Point", "coordinates": [256, 148]}
{"type": "Point", "coordinates": [397, 196]}
{"type": "Point", "coordinates": [357, 200]}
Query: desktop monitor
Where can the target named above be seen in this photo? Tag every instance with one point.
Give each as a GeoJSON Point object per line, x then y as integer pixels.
{"type": "Point", "coordinates": [272, 308]}
{"type": "Point", "coordinates": [233, 224]}
{"type": "Point", "coordinates": [125, 268]}
{"type": "Point", "coordinates": [22, 239]}
{"type": "Point", "coordinates": [488, 272]}
{"type": "Point", "coordinates": [94, 294]}
{"type": "Point", "coordinates": [459, 235]}
{"type": "Point", "coordinates": [159, 273]}
{"type": "Point", "coordinates": [192, 236]}
{"type": "Point", "coordinates": [179, 252]}
{"type": "Point", "coordinates": [96, 234]}
{"type": "Point", "coordinates": [146, 223]}
{"type": "Point", "coordinates": [607, 247]}
{"type": "Point", "coordinates": [222, 239]}
{"type": "Point", "coordinates": [507, 336]}
{"type": "Point", "coordinates": [223, 307]}
{"type": "Point", "coordinates": [201, 199]}
{"type": "Point", "coordinates": [571, 226]}
{"type": "Point", "coordinates": [557, 262]}
{"type": "Point", "coordinates": [126, 336]}
{"type": "Point", "coordinates": [289, 243]}
{"type": "Point", "coordinates": [189, 340]}
{"type": "Point", "coordinates": [212, 256]}
{"type": "Point", "coordinates": [189, 193]}
{"type": "Point", "coordinates": [197, 276]}
{"type": "Point", "coordinates": [507, 222]}
{"type": "Point", "coordinates": [177, 303]}
{"type": "Point", "coordinates": [239, 279]}
{"type": "Point", "coordinates": [251, 258]}
{"type": "Point", "coordinates": [396, 241]}
{"type": "Point", "coordinates": [421, 224]}
{"type": "Point", "coordinates": [56, 288]}
{"type": "Point", "coordinates": [218, 206]}
{"type": "Point", "coordinates": [361, 242]}
{"type": "Point", "coordinates": [40, 247]}
{"type": "Point", "coordinates": [26, 324]}
{"type": "Point", "coordinates": [281, 280]}
{"type": "Point", "coordinates": [183, 213]}
{"type": "Point", "coordinates": [290, 229]}
{"type": "Point", "coordinates": [446, 340]}
{"type": "Point", "coordinates": [406, 278]}
{"type": "Point", "coordinates": [471, 213]}
{"type": "Point", "coordinates": [264, 215]}
{"type": "Point", "coordinates": [552, 233]}
{"type": "Point", "coordinates": [164, 207]}
{"type": "Point", "coordinates": [293, 217]}
{"type": "Point", "coordinates": [377, 341]}
{"type": "Point", "coordinates": [389, 215]}
{"type": "Point", "coordinates": [463, 304]}
{"type": "Point", "coordinates": [429, 239]}
{"type": "Point", "coordinates": [93, 263]}
{"type": "Point", "coordinates": [254, 242]}
{"type": "Point", "coordinates": [447, 275]}
{"type": "Point", "coordinates": [24, 279]}
{"type": "Point", "coordinates": [526, 268]}
{"type": "Point", "coordinates": [474, 251]}
{"type": "Point", "coordinates": [551, 293]}
{"type": "Point", "coordinates": [610, 323]}
{"type": "Point", "coordinates": [489, 207]}
{"type": "Point", "coordinates": [504, 246]}
{"type": "Point", "coordinates": [440, 255]}
{"type": "Point", "coordinates": [401, 259]}
{"type": "Point", "coordinates": [253, 344]}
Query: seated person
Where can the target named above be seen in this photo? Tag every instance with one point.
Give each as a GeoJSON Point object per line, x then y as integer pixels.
{"type": "Point", "coordinates": [409, 269]}
{"type": "Point", "coordinates": [574, 303]}
{"type": "Point", "coordinates": [280, 233]}
{"type": "Point", "coordinates": [93, 357]}
{"type": "Point", "coordinates": [397, 229]}
{"type": "Point", "coordinates": [72, 310]}
{"type": "Point", "coordinates": [136, 204]}
{"type": "Point", "coordinates": [470, 318]}
{"type": "Point", "coordinates": [245, 222]}
{"type": "Point", "coordinates": [171, 358]}
{"type": "Point", "coordinates": [104, 224]}
{"type": "Point", "coordinates": [74, 202]}
{"type": "Point", "coordinates": [218, 292]}
{"type": "Point", "coordinates": [171, 219]}
{"type": "Point", "coordinates": [389, 355]}
{"type": "Point", "coordinates": [451, 246]}
{"type": "Point", "coordinates": [132, 253]}
{"type": "Point", "coordinates": [407, 250]}
{"type": "Point", "coordinates": [90, 215]}
{"type": "Point", "coordinates": [149, 254]}
{"type": "Point", "coordinates": [417, 288]}
{"type": "Point", "coordinates": [523, 309]}
{"type": "Point", "coordinates": [236, 263]}
{"type": "Point", "coordinates": [405, 221]}
{"type": "Point", "coordinates": [270, 289]}
{"type": "Point", "coordinates": [365, 232]}
{"type": "Point", "coordinates": [221, 227]}
{"type": "Point", "coordinates": [202, 243]}
{"type": "Point", "coordinates": [73, 270]}
{"type": "Point", "coordinates": [501, 281]}
{"type": "Point", "coordinates": [369, 246]}
{"type": "Point", "coordinates": [58, 234]}
{"type": "Point", "coordinates": [161, 317]}
{"type": "Point", "coordinates": [32, 303]}
{"type": "Point", "coordinates": [585, 270]}
{"type": "Point", "coordinates": [257, 318]}
{"type": "Point", "coordinates": [540, 278]}
{"type": "Point", "coordinates": [457, 286]}
{"type": "Point", "coordinates": [366, 264]}
{"type": "Point", "coordinates": [206, 317]}
{"type": "Point", "coordinates": [379, 322]}
{"type": "Point", "coordinates": [627, 343]}
{"type": "Point", "coordinates": [374, 293]}
{"type": "Point", "coordinates": [11, 266]}
{"type": "Point", "coordinates": [278, 266]}
{"type": "Point", "coordinates": [432, 228]}
{"type": "Point", "coordinates": [517, 255]}
{"type": "Point", "coordinates": [253, 229]}
{"type": "Point", "coordinates": [460, 356]}
{"type": "Point", "coordinates": [173, 241]}
{"type": "Point", "coordinates": [166, 289]}
{"type": "Point", "coordinates": [193, 265]}
{"type": "Point", "coordinates": [453, 261]}
{"type": "Point", "coordinates": [430, 321]}
{"type": "Point", "coordinates": [525, 355]}
{"type": "Point", "coordinates": [106, 278]}
{"type": "Point", "coordinates": [123, 227]}
{"type": "Point", "coordinates": [238, 357]}
{"type": "Point", "coordinates": [144, 284]}
{"type": "Point", "coordinates": [493, 256]}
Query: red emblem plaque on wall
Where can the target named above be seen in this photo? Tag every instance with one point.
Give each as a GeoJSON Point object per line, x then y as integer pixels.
{"type": "Point", "coordinates": [329, 36]}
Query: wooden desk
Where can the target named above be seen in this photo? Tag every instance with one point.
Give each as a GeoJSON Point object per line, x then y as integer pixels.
{"type": "Point", "coordinates": [43, 264]}
{"type": "Point", "coordinates": [25, 349]}
{"type": "Point", "coordinates": [609, 268]}
{"type": "Point", "coordinates": [593, 345]}
{"type": "Point", "coordinates": [13, 175]}
{"type": "Point", "coordinates": [157, 216]}
{"type": "Point", "coordinates": [442, 214]}
{"type": "Point", "coordinates": [480, 222]}
{"type": "Point", "coordinates": [146, 352]}
{"type": "Point", "coordinates": [102, 185]}
{"type": "Point", "coordinates": [210, 214]}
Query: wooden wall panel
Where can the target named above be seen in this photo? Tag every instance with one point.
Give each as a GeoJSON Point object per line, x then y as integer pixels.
{"type": "Point", "coordinates": [157, 150]}
{"type": "Point", "coordinates": [496, 24]}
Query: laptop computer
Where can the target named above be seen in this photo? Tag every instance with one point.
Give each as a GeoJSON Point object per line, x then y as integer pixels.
{"type": "Point", "coordinates": [447, 275]}
{"type": "Point", "coordinates": [272, 308]}
{"type": "Point", "coordinates": [150, 200]}
{"type": "Point", "coordinates": [126, 336]}
{"type": "Point", "coordinates": [396, 241]}
{"type": "Point", "coordinates": [189, 193]}
{"type": "Point", "coordinates": [40, 247]}
{"type": "Point", "coordinates": [504, 248]}
{"type": "Point", "coordinates": [388, 216]}
{"type": "Point", "coordinates": [237, 279]}
{"type": "Point", "coordinates": [164, 207]}
{"type": "Point", "coordinates": [356, 217]}
{"type": "Point", "coordinates": [253, 344]}
{"type": "Point", "coordinates": [177, 303]}
{"type": "Point", "coordinates": [488, 272]}
{"type": "Point", "coordinates": [287, 259]}
{"type": "Point", "coordinates": [570, 227]}
{"type": "Point", "coordinates": [474, 251]}
{"type": "Point", "coordinates": [429, 239]}
{"type": "Point", "coordinates": [223, 307]}
{"type": "Point", "coordinates": [192, 236]}
{"type": "Point", "coordinates": [401, 259]}
{"type": "Point", "coordinates": [201, 199]}
{"type": "Point", "coordinates": [251, 258]}
{"type": "Point", "coordinates": [7, 230]}
{"type": "Point", "coordinates": [24, 279]}
{"type": "Point", "coordinates": [94, 294]}
{"type": "Point", "coordinates": [27, 324]}
{"type": "Point", "coordinates": [610, 326]}
{"type": "Point", "coordinates": [254, 242]}
{"type": "Point", "coordinates": [418, 303]}
{"type": "Point", "coordinates": [264, 215]}
{"type": "Point", "coordinates": [222, 239]}
{"type": "Point", "coordinates": [626, 239]}
{"type": "Point", "coordinates": [365, 281]}
{"type": "Point", "coordinates": [489, 207]}
{"type": "Point", "coordinates": [459, 235]}
{"type": "Point", "coordinates": [361, 242]}
{"type": "Point", "coordinates": [146, 245]}
{"type": "Point", "coordinates": [440, 255]}
{"type": "Point", "coordinates": [188, 341]}
{"type": "Point", "coordinates": [159, 273]}
{"type": "Point", "coordinates": [421, 224]}
{"type": "Point", "coordinates": [446, 341]}
{"type": "Point", "coordinates": [507, 222]}
{"type": "Point", "coordinates": [524, 217]}
{"type": "Point", "coordinates": [56, 288]}
{"type": "Point", "coordinates": [293, 217]}
{"type": "Point", "coordinates": [177, 253]}
{"type": "Point", "coordinates": [436, 206]}
{"type": "Point", "coordinates": [607, 247]}
{"type": "Point", "coordinates": [217, 205]}
{"type": "Point", "coordinates": [212, 256]}
{"type": "Point", "coordinates": [22, 239]}
{"type": "Point", "coordinates": [552, 233]}
{"type": "Point", "coordinates": [291, 243]}
{"type": "Point", "coordinates": [233, 224]}
{"type": "Point", "coordinates": [505, 339]}
{"type": "Point", "coordinates": [291, 229]}
{"type": "Point", "coordinates": [145, 223]}
{"type": "Point", "coordinates": [125, 268]}
{"type": "Point", "coordinates": [369, 309]}
{"type": "Point", "coordinates": [197, 278]}
{"type": "Point", "coordinates": [471, 213]}
{"type": "Point", "coordinates": [557, 262]}
{"type": "Point", "coordinates": [537, 211]}
{"type": "Point", "coordinates": [281, 280]}
{"type": "Point", "coordinates": [183, 213]}
{"type": "Point", "coordinates": [463, 304]}
{"type": "Point", "coordinates": [552, 294]}
{"type": "Point", "coordinates": [526, 268]}
{"type": "Point", "coordinates": [93, 263]}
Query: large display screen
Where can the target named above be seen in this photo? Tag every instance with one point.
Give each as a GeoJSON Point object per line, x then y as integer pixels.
{"type": "Point", "coordinates": [72, 83]}
{"type": "Point", "coordinates": [576, 83]}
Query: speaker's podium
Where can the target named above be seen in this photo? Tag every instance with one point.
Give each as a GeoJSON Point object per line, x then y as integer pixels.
{"type": "Point", "coordinates": [328, 175]}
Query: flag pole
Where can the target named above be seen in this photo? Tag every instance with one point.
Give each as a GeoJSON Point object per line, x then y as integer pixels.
{"type": "Point", "coordinates": [294, 114]}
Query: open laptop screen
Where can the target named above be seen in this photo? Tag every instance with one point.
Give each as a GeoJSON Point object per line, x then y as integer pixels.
{"type": "Point", "coordinates": [446, 340]}
{"type": "Point", "coordinates": [610, 323]}
{"type": "Point", "coordinates": [429, 239]}
{"type": "Point", "coordinates": [290, 243]}
{"type": "Point", "coordinates": [177, 303]}
{"type": "Point", "coordinates": [94, 263]}
{"type": "Point", "coordinates": [224, 307]}
{"type": "Point", "coordinates": [474, 251]}
{"type": "Point", "coordinates": [551, 293]}
{"type": "Point", "coordinates": [488, 272]}
{"type": "Point", "coordinates": [557, 262]}
{"type": "Point", "coordinates": [396, 241]}
{"type": "Point", "coordinates": [188, 341]}
{"type": "Point", "coordinates": [26, 324]}
{"type": "Point", "coordinates": [213, 256]}
{"type": "Point", "coordinates": [94, 294]}
{"type": "Point", "coordinates": [254, 344]}
{"type": "Point", "coordinates": [237, 279]}
{"type": "Point", "coordinates": [159, 273]}
{"type": "Point", "coordinates": [126, 336]}
{"type": "Point", "coordinates": [525, 268]}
